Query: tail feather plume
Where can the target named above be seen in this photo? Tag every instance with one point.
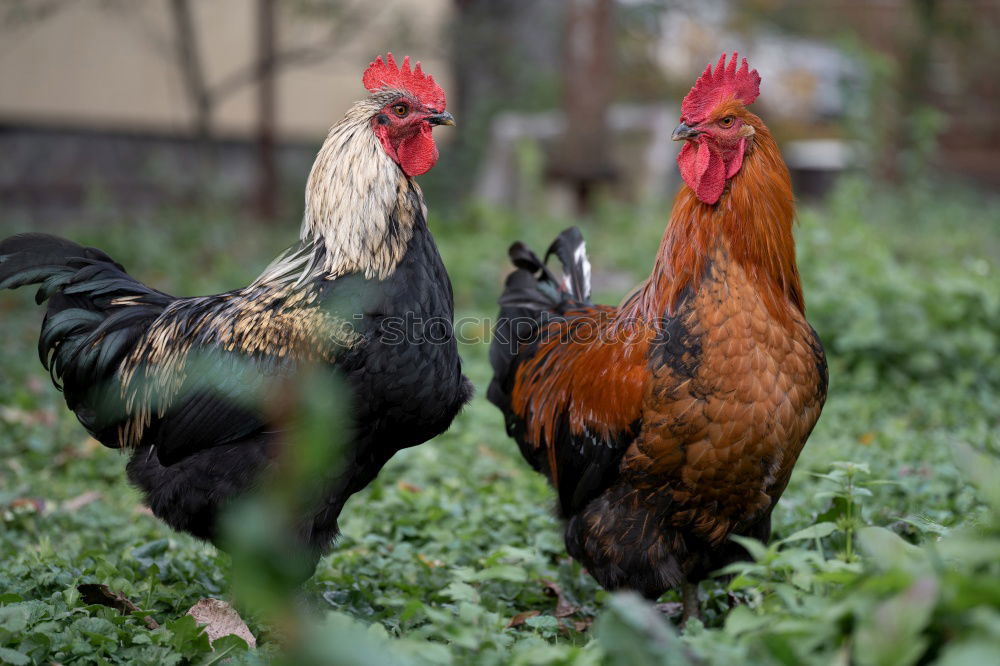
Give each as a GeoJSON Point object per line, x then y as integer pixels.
{"type": "Point", "coordinates": [571, 250]}
{"type": "Point", "coordinates": [532, 295]}
{"type": "Point", "coordinates": [43, 259]}
{"type": "Point", "coordinates": [96, 313]}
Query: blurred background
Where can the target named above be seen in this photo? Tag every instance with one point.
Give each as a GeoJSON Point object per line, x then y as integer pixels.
{"type": "Point", "coordinates": [177, 134]}
{"type": "Point", "coordinates": [120, 107]}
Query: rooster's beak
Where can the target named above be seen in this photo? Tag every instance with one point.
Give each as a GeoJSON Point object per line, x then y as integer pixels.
{"type": "Point", "coordinates": [683, 132]}
{"type": "Point", "coordinates": [443, 118]}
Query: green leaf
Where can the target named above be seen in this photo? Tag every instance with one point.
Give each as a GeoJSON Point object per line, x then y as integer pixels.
{"type": "Point", "coordinates": [758, 551]}
{"type": "Point", "coordinates": [836, 510]}
{"type": "Point", "coordinates": [224, 647]}
{"type": "Point", "coordinates": [187, 636]}
{"type": "Point", "coordinates": [817, 531]}
{"type": "Point", "coordinates": [545, 622]}
{"type": "Point", "coordinates": [741, 582]}
{"type": "Point", "coordinates": [13, 657]}
{"type": "Point", "coordinates": [891, 636]}
{"type": "Point", "coordinates": [633, 632]}
{"type": "Point", "coordinates": [506, 572]}
{"type": "Point", "coordinates": [983, 470]}
{"type": "Point", "coordinates": [975, 652]}
{"type": "Point", "coordinates": [151, 552]}
{"type": "Point", "coordinates": [742, 620]}
{"type": "Point", "coordinates": [459, 591]}
{"type": "Point", "coordinates": [887, 549]}
{"type": "Point", "coordinates": [14, 618]}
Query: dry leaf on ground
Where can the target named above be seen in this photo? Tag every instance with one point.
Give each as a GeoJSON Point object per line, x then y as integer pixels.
{"type": "Point", "coordinates": [563, 607]}
{"type": "Point", "coordinates": [95, 593]}
{"type": "Point", "coordinates": [520, 618]}
{"type": "Point", "coordinates": [81, 501]}
{"type": "Point", "coordinates": [220, 619]}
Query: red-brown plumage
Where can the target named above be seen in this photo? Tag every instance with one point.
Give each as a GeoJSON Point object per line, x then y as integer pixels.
{"type": "Point", "coordinates": [755, 220]}
{"type": "Point", "coordinates": [593, 377]}
{"type": "Point", "coordinates": [679, 423]}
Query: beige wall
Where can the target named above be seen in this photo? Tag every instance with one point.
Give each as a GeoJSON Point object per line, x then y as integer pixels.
{"type": "Point", "coordinates": [111, 65]}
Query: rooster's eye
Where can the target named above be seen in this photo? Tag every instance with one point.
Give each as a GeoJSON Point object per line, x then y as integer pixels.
{"type": "Point", "coordinates": [400, 109]}
{"type": "Point", "coordinates": [726, 122]}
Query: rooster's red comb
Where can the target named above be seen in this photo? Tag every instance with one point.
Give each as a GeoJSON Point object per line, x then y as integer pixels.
{"type": "Point", "coordinates": [385, 74]}
{"type": "Point", "coordinates": [713, 87]}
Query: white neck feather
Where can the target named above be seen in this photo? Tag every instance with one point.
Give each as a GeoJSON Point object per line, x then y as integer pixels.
{"type": "Point", "coordinates": [353, 191]}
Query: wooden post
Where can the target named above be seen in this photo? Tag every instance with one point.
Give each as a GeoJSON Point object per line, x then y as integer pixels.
{"type": "Point", "coordinates": [267, 170]}
{"type": "Point", "coordinates": [583, 157]}
{"type": "Point", "coordinates": [192, 72]}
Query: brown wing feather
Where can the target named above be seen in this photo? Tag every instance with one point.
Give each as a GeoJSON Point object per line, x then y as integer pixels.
{"type": "Point", "coordinates": [587, 370]}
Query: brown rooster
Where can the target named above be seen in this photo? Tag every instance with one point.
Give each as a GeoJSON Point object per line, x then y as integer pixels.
{"type": "Point", "coordinates": [673, 421]}
{"type": "Point", "coordinates": [176, 381]}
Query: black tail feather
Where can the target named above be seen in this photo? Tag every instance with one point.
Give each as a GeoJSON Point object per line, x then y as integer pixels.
{"type": "Point", "coordinates": [532, 296]}
{"type": "Point", "coordinates": [40, 258]}
{"type": "Point", "coordinates": [571, 250]}
{"type": "Point", "coordinates": [96, 313]}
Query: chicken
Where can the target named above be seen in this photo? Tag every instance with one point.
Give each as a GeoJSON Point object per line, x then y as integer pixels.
{"type": "Point", "coordinates": [673, 421]}
{"type": "Point", "coordinates": [171, 380]}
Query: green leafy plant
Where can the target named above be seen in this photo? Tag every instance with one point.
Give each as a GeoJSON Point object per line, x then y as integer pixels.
{"type": "Point", "coordinates": [886, 543]}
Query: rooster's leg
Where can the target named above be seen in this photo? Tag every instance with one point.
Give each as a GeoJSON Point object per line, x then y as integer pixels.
{"type": "Point", "coordinates": [689, 600]}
